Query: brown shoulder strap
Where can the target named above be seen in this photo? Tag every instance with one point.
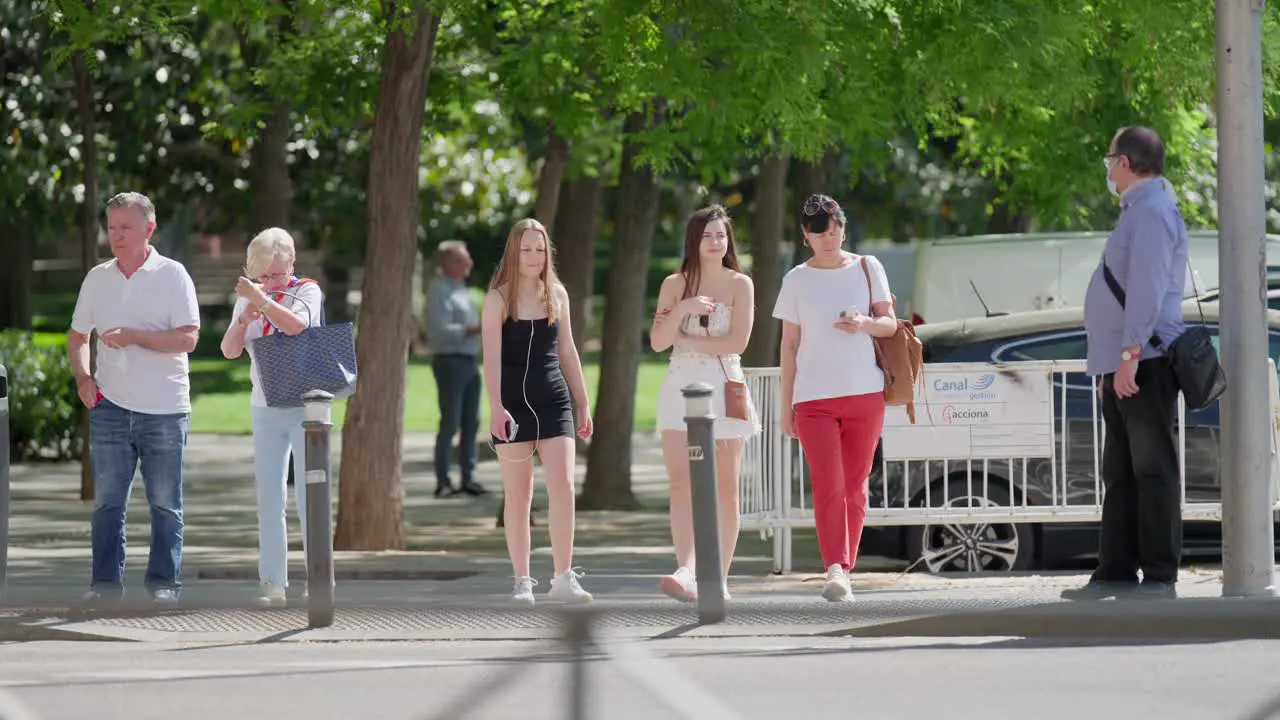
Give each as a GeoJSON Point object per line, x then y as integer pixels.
{"type": "Point", "coordinates": [893, 299]}
{"type": "Point", "coordinates": [866, 272]}
{"type": "Point", "coordinates": [719, 358]}
{"type": "Point", "coordinates": [870, 295]}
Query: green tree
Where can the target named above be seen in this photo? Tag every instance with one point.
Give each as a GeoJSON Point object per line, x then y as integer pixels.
{"type": "Point", "coordinates": [753, 91]}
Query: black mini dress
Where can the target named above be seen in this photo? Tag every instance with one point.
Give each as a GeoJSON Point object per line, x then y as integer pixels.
{"type": "Point", "coordinates": [534, 390]}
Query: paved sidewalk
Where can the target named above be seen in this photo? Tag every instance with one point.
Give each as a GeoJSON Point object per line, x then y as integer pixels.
{"type": "Point", "coordinates": [49, 530]}
{"type": "Point", "coordinates": [452, 582]}
{"type": "Point", "coordinates": [474, 607]}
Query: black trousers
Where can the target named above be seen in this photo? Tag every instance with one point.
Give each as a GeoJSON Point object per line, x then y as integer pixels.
{"type": "Point", "coordinates": [1141, 512]}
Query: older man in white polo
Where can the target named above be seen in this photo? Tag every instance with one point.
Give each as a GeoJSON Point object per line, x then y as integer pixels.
{"type": "Point", "coordinates": [143, 306]}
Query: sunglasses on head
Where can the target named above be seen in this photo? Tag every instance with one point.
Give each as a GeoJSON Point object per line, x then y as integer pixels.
{"type": "Point", "coordinates": [813, 205]}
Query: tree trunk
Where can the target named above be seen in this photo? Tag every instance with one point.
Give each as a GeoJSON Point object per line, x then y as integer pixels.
{"type": "Point", "coordinates": [766, 259]}
{"type": "Point", "coordinates": [269, 172]}
{"type": "Point", "coordinates": [549, 179]}
{"type": "Point", "coordinates": [337, 283]}
{"type": "Point", "coordinates": [811, 178]}
{"type": "Point", "coordinates": [272, 200]}
{"type": "Point", "coordinates": [88, 110]}
{"type": "Point", "coordinates": [578, 218]}
{"type": "Point", "coordinates": [17, 276]}
{"type": "Point", "coordinates": [608, 481]}
{"type": "Point", "coordinates": [371, 495]}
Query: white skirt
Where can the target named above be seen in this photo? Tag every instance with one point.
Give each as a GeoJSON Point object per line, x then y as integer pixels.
{"type": "Point", "coordinates": [689, 368]}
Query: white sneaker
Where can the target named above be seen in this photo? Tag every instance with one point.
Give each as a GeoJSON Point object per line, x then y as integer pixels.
{"type": "Point", "coordinates": [566, 588]}
{"type": "Point", "coordinates": [680, 585]}
{"type": "Point", "coordinates": [165, 597]}
{"type": "Point", "coordinates": [725, 589]}
{"type": "Point", "coordinates": [271, 596]}
{"type": "Point", "coordinates": [522, 594]}
{"type": "Point", "coordinates": [837, 588]}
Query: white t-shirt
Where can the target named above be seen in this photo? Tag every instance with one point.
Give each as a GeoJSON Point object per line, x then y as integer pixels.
{"type": "Point", "coordinates": [159, 297]}
{"type": "Point", "coordinates": [311, 298]}
{"type": "Point", "coordinates": [832, 363]}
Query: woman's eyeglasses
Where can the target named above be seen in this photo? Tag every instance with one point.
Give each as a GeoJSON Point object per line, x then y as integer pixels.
{"type": "Point", "coordinates": [266, 277]}
{"type": "Point", "coordinates": [813, 205]}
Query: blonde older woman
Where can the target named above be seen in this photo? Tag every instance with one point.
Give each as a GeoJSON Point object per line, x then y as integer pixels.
{"type": "Point", "coordinates": [263, 308]}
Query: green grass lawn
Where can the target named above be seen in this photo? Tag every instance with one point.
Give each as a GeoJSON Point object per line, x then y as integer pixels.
{"type": "Point", "coordinates": [220, 396]}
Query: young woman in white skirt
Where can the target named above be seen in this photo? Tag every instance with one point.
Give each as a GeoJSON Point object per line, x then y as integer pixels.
{"type": "Point", "coordinates": [705, 313]}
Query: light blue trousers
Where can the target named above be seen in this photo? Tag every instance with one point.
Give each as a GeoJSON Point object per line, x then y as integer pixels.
{"type": "Point", "coordinates": [276, 431]}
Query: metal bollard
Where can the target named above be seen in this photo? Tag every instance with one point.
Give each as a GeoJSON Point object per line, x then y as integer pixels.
{"type": "Point", "coordinates": [4, 480]}
{"type": "Point", "coordinates": [699, 420]}
{"type": "Point", "coordinates": [578, 636]}
{"type": "Point", "coordinates": [317, 426]}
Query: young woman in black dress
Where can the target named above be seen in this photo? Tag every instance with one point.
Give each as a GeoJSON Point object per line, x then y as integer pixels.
{"type": "Point", "coordinates": [530, 366]}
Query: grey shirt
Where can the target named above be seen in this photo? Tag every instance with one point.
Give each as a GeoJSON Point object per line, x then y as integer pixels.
{"type": "Point", "coordinates": [450, 312]}
{"type": "Point", "coordinates": [1147, 254]}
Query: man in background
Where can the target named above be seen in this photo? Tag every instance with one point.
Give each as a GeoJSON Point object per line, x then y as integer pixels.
{"type": "Point", "coordinates": [453, 331]}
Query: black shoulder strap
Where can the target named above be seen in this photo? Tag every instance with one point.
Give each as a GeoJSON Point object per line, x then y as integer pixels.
{"type": "Point", "coordinates": [1119, 293]}
{"type": "Point", "coordinates": [1113, 283]}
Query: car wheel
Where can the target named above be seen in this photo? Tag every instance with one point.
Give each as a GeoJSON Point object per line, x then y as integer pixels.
{"type": "Point", "coordinates": [971, 547]}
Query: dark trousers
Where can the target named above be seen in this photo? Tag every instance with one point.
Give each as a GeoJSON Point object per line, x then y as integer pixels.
{"type": "Point", "coordinates": [458, 391]}
{"type": "Point", "coordinates": [1141, 512]}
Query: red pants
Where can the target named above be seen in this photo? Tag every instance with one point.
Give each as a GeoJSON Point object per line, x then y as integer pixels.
{"type": "Point", "coordinates": [839, 437]}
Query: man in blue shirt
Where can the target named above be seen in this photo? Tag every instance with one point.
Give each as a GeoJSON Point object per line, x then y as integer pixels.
{"type": "Point", "coordinates": [1146, 255]}
{"type": "Point", "coordinates": [453, 332]}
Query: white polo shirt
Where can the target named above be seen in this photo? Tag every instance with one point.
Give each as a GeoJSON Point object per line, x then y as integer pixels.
{"type": "Point", "coordinates": [832, 363]}
{"type": "Point", "coordinates": [160, 296]}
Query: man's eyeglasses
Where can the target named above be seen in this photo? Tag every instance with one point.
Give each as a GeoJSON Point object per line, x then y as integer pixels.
{"type": "Point", "coordinates": [813, 205]}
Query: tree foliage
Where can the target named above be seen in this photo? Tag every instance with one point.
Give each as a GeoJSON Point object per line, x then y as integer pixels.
{"type": "Point", "coordinates": [944, 116]}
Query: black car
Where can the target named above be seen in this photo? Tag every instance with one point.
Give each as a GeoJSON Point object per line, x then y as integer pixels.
{"type": "Point", "coordinates": [1040, 335]}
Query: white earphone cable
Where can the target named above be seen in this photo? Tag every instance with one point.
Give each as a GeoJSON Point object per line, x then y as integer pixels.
{"type": "Point", "coordinates": [524, 391]}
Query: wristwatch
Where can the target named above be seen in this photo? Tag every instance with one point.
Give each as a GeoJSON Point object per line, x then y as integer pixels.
{"type": "Point", "coordinates": [1127, 355]}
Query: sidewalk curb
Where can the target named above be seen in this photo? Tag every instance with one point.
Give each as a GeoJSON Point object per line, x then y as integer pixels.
{"type": "Point", "coordinates": [1110, 622]}
{"type": "Point", "coordinates": [1181, 619]}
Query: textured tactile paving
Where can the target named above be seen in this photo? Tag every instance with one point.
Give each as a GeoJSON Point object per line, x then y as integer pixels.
{"type": "Point", "coordinates": [658, 614]}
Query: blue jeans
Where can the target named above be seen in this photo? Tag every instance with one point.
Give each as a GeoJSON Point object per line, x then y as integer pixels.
{"type": "Point", "coordinates": [276, 431]}
{"type": "Point", "coordinates": [458, 391]}
{"type": "Point", "coordinates": [120, 440]}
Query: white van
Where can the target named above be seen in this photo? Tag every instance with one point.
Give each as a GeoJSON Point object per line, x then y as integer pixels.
{"type": "Point", "coordinates": [958, 278]}
{"type": "Point", "coordinates": [899, 261]}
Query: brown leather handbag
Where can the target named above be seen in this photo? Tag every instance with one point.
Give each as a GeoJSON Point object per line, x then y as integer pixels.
{"type": "Point", "coordinates": [900, 357]}
{"type": "Point", "coordinates": [737, 399]}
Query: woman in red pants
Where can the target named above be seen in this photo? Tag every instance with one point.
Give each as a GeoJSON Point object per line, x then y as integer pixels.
{"type": "Point", "coordinates": [832, 388]}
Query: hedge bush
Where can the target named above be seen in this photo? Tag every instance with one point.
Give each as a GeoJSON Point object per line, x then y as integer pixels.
{"type": "Point", "coordinates": [44, 410]}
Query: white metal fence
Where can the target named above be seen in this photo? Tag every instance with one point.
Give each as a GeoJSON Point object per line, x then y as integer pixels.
{"type": "Point", "coordinates": [1013, 442]}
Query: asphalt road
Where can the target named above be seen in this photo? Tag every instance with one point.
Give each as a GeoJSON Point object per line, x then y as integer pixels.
{"type": "Point", "coordinates": [684, 677]}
